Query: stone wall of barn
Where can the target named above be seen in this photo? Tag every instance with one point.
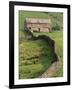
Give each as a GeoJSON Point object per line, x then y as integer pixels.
{"type": "Point", "coordinates": [41, 27]}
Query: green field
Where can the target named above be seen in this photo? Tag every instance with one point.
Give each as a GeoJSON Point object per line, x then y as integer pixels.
{"type": "Point", "coordinates": [35, 56]}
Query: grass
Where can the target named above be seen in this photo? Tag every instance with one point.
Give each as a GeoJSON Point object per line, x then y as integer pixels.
{"type": "Point", "coordinates": [35, 58]}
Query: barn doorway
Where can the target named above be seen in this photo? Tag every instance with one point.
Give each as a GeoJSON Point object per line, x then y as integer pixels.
{"type": "Point", "coordinates": [39, 29]}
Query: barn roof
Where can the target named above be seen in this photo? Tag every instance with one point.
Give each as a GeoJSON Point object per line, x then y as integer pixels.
{"type": "Point", "coordinates": [37, 20]}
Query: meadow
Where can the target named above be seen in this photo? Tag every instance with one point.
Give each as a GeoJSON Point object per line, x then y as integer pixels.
{"type": "Point", "coordinates": [35, 55]}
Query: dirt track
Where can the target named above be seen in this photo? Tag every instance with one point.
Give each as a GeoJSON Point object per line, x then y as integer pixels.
{"type": "Point", "coordinates": [52, 70]}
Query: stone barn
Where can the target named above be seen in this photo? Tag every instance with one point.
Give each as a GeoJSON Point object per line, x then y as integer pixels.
{"type": "Point", "coordinates": [38, 25]}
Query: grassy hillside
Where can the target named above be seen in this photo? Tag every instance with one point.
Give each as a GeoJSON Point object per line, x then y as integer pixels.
{"type": "Point", "coordinates": [35, 56]}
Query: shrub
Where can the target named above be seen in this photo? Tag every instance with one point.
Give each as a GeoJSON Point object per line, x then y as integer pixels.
{"type": "Point", "coordinates": [56, 27]}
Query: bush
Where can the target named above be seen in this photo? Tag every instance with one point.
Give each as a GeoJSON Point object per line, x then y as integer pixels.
{"type": "Point", "coordinates": [56, 27]}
